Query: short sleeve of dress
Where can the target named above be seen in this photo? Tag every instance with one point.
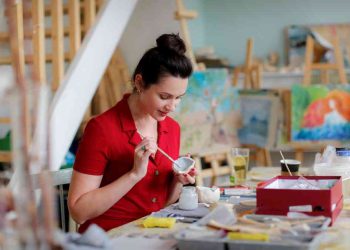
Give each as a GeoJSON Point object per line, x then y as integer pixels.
{"type": "Point", "coordinates": [92, 153]}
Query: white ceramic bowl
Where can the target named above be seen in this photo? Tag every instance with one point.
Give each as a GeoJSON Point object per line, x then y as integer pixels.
{"type": "Point", "coordinates": [184, 165]}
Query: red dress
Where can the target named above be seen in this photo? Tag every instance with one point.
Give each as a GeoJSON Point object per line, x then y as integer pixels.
{"type": "Point", "coordinates": [107, 148]}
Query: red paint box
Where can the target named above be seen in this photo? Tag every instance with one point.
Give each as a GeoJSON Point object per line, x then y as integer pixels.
{"type": "Point", "coordinates": [278, 196]}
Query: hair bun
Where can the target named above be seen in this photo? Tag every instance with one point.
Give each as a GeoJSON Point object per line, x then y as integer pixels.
{"type": "Point", "coordinates": [172, 42]}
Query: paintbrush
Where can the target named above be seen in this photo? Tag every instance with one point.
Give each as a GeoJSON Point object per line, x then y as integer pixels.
{"type": "Point", "coordinates": [300, 176]}
{"type": "Point", "coordinates": [162, 151]}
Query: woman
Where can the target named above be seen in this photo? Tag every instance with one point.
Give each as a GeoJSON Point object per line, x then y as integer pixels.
{"type": "Point", "coordinates": [119, 175]}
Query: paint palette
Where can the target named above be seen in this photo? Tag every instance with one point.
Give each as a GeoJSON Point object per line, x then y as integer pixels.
{"type": "Point", "coordinates": [183, 165]}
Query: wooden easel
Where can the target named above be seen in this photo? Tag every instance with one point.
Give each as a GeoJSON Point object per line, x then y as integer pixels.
{"type": "Point", "coordinates": [220, 164]}
{"type": "Point", "coordinates": [324, 68]}
{"type": "Point", "coordinates": [252, 71]}
{"type": "Point", "coordinates": [261, 156]}
{"type": "Point", "coordinates": [182, 14]}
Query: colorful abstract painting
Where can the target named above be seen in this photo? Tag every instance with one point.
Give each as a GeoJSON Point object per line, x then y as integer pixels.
{"type": "Point", "coordinates": [321, 112]}
{"type": "Point", "coordinates": [259, 111]}
{"type": "Point", "coordinates": [209, 112]}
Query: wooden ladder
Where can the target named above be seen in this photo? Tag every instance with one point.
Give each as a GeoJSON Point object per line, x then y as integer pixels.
{"type": "Point", "coordinates": [81, 16]}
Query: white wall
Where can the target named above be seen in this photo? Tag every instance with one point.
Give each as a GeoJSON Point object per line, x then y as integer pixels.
{"type": "Point", "coordinates": [150, 19]}
{"type": "Point", "coordinates": [229, 23]}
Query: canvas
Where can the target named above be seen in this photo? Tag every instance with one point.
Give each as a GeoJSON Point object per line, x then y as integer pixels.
{"type": "Point", "coordinates": [209, 112]}
{"type": "Point", "coordinates": [260, 116]}
{"type": "Point", "coordinates": [321, 112]}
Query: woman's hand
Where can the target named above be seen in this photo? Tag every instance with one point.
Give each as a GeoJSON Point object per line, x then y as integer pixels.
{"type": "Point", "coordinates": [146, 148]}
{"type": "Point", "coordinates": [188, 178]}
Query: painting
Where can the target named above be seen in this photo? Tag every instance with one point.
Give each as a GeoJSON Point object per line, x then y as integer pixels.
{"type": "Point", "coordinates": [209, 112]}
{"type": "Point", "coordinates": [323, 33]}
{"type": "Point", "coordinates": [259, 117]}
{"type": "Point", "coordinates": [321, 112]}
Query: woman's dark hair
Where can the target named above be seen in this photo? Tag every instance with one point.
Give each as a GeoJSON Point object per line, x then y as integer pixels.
{"type": "Point", "coordinates": [167, 58]}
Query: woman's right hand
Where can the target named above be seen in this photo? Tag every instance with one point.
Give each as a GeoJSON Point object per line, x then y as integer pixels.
{"type": "Point", "coordinates": [146, 148]}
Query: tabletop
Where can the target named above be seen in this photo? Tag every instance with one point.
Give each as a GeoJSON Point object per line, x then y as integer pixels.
{"type": "Point", "coordinates": [133, 235]}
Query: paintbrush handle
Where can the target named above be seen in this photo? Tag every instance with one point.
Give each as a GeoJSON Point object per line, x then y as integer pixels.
{"type": "Point", "coordinates": [168, 156]}
{"type": "Point", "coordinates": [162, 151]}
{"type": "Point", "coordinates": [165, 154]}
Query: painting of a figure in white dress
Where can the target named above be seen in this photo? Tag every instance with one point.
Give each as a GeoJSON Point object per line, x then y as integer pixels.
{"type": "Point", "coordinates": [321, 112]}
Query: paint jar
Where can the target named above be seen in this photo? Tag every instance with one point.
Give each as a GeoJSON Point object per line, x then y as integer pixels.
{"type": "Point", "coordinates": [293, 166]}
{"type": "Point", "coordinates": [188, 198]}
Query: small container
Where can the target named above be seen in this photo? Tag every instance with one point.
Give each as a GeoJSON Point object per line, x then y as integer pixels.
{"type": "Point", "coordinates": [188, 198]}
{"type": "Point", "coordinates": [183, 165]}
{"type": "Point", "coordinates": [342, 152]}
{"type": "Point", "coordinates": [293, 166]}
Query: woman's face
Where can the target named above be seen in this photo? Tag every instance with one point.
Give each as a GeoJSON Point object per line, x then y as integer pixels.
{"type": "Point", "coordinates": [162, 98]}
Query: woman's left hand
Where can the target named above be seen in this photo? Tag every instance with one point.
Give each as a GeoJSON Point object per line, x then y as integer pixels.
{"type": "Point", "coordinates": [188, 178]}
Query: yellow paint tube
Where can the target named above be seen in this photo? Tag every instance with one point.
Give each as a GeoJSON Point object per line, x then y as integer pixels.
{"type": "Point", "coordinates": [248, 236]}
{"type": "Point", "coordinates": [150, 222]}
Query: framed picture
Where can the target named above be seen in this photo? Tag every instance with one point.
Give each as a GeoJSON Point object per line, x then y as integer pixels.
{"type": "Point", "coordinates": [321, 112]}
{"type": "Point", "coordinates": [260, 117]}
{"type": "Point", "coordinates": [209, 112]}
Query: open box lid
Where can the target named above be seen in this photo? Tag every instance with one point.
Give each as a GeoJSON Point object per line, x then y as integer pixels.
{"type": "Point", "coordinates": [296, 183]}
{"type": "Point", "coordinates": [301, 184]}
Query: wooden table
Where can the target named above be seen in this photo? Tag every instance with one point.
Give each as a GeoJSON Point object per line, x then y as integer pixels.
{"type": "Point", "coordinates": [254, 176]}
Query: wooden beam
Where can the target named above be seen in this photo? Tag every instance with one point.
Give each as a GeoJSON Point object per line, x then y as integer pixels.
{"type": "Point", "coordinates": [116, 80]}
{"type": "Point", "coordinates": [308, 60]}
{"type": "Point", "coordinates": [47, 10]}
{"type": "Point", "coordinates": [185, 32]}
{"type": "Point", "coordinates": [248, 63]}
{"type": "Point", "coordinates": [5, 156]}
{"type": "Point", "coordinates": [4, 36]}
{"type": "Point", "coordinates": [74, 27]}
{"type": "Point", "coordinates": [5, 120]}
{"type": "Point", "coordinates": [38, 41]}
{"type": "Point", "coordinates": [57, 43]}
{"type": "Point", "coordinates": [323, 66]}
{"type": "Point", "coordinates": [17, 40]}
{"type": "Point", "coordinates": [339, 61]}
{"type": "Point", "coordinates": [89, 13]}
{"type": "Point", "coordinates": [188, 14]}
{"type": "Point", "coordinates": [5, 60]}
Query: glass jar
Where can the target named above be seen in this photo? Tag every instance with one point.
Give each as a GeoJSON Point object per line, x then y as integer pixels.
{"type": "Point", "coordinates": [188, 198]}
